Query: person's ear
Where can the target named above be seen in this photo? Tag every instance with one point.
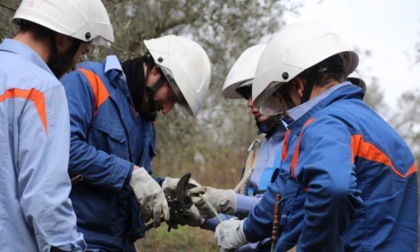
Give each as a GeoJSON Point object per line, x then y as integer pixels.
{"type": "Point", "coordinates": [63, 42]}
{"type": "Point", "coordinates": [155, 70]}
{"type": "Point", "coordinates": [299, 85]}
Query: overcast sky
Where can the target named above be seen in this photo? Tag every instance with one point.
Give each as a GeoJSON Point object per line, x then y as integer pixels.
{"type": "Point", "coordinates": [389, 29]}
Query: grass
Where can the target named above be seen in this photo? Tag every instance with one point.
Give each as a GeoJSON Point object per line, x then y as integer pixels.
{"type": "Point", "coordinates": [184, 238]}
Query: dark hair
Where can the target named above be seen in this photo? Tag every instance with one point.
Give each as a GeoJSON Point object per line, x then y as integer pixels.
{"type": "Point", "coordinates": [330, 68]}
{"type": "Point", "coordinates": [244, 91]}
{"type": "Point", "coordinates": [40, 32]}
{"type": "Point", "coordinates": [148, 59]}
{"type": "Point", "coordinates": [58, 64]}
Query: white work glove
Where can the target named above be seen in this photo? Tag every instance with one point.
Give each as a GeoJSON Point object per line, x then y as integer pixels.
{"type": "Point", "coordinates": [191, 216]}
{"type": "Point", "coordinates": [222, 200]}
{"type": "Point", "coordinates": [230, 235]}
{"type": "Point", "coordinates": [150, 196]}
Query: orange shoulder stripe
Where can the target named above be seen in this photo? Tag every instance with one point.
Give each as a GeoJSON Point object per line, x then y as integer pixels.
{"type": "Point", "coordinates": [371, 152]}
{"type": "Point", "coordinates": [99, 90]}
{"type": "Point", "coordinates": [33, 95]}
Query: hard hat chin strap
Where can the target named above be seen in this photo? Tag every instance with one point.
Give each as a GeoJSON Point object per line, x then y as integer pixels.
{"type": "Point", "coordinates": [158, 84]}
{"type": "Point", "coordinates": [316, 74]}
{"type": "Point", "coordinates": [310, 83]}
{"type": "Point", "coordinates": [150, 92]}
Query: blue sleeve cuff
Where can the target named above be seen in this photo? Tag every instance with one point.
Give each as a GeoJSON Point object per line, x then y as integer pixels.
{"type": "Point", "coordinates": [120, 174]}
{"type": "Point", "coordinates": [210, 224]}
{"type": "Point", "coordinates": [244, 204]}
{"type": "Point", "coordinates": [159, 179]}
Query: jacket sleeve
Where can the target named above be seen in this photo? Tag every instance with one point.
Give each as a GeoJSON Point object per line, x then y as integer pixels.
{"type": "Point", "coordinates": [211, 224]}
{"type": "Point", "coordinates": [259, 223]}
{"type": "Point", "coordinates": [43, 182]}
{"type": "Point", "coordinates": [244, 204]}
{"type": "Point", "coordinates": [326, 170]}
{"type": "Point", "coordinates": [96, 166]}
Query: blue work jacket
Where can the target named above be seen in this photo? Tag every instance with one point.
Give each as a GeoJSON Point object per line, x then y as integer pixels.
{"type": "Point", "coordinates": [358, 175]}
{"type": "Point", "coordinates": [107, 139]}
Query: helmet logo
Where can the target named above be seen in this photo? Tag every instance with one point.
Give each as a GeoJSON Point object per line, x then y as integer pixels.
{"type": "Point", "coordinates": [285, 75]}
{"type": "Point", "coordinates": [160, 59]}
{"type": "Point", "coordinates": [87, 35]}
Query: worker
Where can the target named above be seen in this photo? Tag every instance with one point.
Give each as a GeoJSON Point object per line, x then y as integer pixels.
{"type": "Point", "coordinates": [358, 174]}
{"type": "Point", "coordinates": [36, 213]}
{"type": "Point", "coordinates": [262, 164]}
{"type": "Point", "coordinates": [113, 106]}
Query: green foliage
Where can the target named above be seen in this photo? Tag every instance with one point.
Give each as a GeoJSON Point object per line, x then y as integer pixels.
{"type": "Point", "coordinates": [7, 9]}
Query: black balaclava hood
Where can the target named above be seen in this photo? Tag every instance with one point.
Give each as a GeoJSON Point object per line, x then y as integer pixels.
{"type": "Point", "coordinates": [143, 96]}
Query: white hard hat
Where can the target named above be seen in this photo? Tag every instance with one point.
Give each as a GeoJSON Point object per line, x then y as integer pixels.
{"type": "Point", "coordinates": [242, 71]}
{"type": "Point", "coordinates": [86, 20]}
{"type": "Point", "coordinates": [186, 66]}
{"type": "Point", "coordinates": [291, 51]}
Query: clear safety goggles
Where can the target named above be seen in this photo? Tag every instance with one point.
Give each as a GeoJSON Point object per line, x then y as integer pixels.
{"type": "Point", "coordinates": [181, 103]}
{"type": "Point", "coordinates": [270, 102]}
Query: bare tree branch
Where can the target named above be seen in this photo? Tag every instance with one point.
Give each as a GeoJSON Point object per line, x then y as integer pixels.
{"type": "Point", "coordinates": [7, 8]}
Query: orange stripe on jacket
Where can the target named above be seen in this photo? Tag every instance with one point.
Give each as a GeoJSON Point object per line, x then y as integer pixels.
{"type": "Point", "coordinates": [296, 153]}
{"type": "Point", "coordinates": [33, 95]}
{"type": "Point", "coordinates": [284, 148]}
{"type": "Point", "coordinates": [359, 148]}
{"type": "Point", "coordinates": [371, 152]}
{"type": "Point", "coordinates": [99, 90]}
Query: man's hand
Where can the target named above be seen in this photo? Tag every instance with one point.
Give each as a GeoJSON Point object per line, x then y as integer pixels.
{"type": "Point", "coordinates": [230, 235]}
{"type": "Point", "coordinates": [150, 196]}
{"type": "Point", "coordinates": [222, 200]}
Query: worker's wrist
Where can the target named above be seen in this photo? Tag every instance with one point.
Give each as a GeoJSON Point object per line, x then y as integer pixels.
{"type": "Point", "coordinates": [137, 169]}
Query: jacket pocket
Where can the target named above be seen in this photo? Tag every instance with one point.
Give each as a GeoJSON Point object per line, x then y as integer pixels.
{"type": "Point", "coordinates": [292, 202]}
{"type": "Point", "coordinates": [109, 136]}
{"type": "Point", "coordinates": [110, 128]}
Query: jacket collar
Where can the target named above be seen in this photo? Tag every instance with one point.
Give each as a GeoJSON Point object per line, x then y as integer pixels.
{"type": "Point", "coordinates": [303, 112]}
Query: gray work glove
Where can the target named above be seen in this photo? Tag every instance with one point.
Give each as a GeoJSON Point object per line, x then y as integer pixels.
{"type": "Point", "coordinates": [222, 200]}
{"type": "Point", "coordinates": [172, 182]}
{"type": "Point", "coordinates": [150, 195]}
{"type": "Point", "coordinates": [191, 216]}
